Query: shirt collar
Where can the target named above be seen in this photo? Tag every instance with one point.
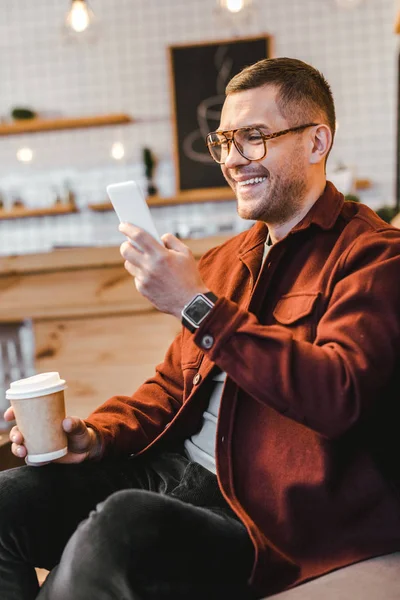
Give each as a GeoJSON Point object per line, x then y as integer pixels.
{"type": "Point", "coordinates": [323, 213]}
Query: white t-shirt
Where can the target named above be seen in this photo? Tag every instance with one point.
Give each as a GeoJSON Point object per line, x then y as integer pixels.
{"type": "Point", "coordinates": [200, 447]}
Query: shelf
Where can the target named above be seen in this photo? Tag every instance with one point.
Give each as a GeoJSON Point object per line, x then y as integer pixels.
{"type": "Point", "coordinates": [23, 212]}
{"type": "Point", "coordinates": [222, 195]}
{"type": "Point", "coordinates": [37, 125]}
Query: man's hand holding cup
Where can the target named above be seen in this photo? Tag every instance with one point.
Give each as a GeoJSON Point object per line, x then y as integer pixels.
{"type": "Point", "coordinates": [42, 433]}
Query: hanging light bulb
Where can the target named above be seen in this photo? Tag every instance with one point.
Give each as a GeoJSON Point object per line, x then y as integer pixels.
{"type": "Point", "coordinates": [234, 6]}
{"type": "Point", "coordinates": [79, 17]}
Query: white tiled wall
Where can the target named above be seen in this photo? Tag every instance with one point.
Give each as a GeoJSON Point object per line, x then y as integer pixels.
{"type": "Point", "coordinates": [123, 68]}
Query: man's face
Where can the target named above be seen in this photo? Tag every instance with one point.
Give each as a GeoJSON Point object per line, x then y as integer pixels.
{"type": "Point", "coordinates": [278, 192]}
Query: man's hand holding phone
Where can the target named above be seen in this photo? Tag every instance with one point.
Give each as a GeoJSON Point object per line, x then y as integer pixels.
{"type": "Point", "coordinates": [164, 269]}
{"type": "Point", "coordinates": [166, 275]}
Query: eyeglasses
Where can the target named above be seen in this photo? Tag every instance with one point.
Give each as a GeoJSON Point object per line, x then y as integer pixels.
{"type": "Point", "coordinates": [250, 142]}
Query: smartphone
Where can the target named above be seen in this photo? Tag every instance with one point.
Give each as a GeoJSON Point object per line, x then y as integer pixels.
{"type": "Point", "coordinates": [131, 207]}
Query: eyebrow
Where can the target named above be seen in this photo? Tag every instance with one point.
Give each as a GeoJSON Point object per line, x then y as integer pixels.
{"type": "Point", "coordinates": [255, 125]}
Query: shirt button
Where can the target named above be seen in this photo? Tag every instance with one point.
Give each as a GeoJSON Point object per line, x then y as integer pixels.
{"type": "Point", "coordinates": [196, 379]}
{"type": "Point", "coordinates": [207, 341]}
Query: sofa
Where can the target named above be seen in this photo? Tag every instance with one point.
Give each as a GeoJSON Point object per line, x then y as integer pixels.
{"type": "Point", "coordinates": [373, 579]}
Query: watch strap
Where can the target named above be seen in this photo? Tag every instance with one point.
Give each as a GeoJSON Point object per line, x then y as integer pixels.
{"type": "Point", "coordinates": [211, 297]}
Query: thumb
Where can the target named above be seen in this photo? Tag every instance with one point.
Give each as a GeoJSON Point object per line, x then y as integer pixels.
{"type": "Point", "coordinates": [172, 243]}
{"type": "Point", "coordinates": [74, 426]}
{"type": "Point", "coordinates": [79, 439]}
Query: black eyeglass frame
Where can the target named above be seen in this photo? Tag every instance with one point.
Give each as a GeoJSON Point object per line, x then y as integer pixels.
{"type": "Point", "coordinates": [265, 138]}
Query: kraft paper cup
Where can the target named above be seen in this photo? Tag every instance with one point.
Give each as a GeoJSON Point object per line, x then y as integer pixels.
{"type": "Point", "coordinates": [39, 408]}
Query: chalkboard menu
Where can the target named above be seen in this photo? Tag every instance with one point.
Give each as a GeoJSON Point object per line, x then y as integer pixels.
{"type": "Point", "coordinates": [199, 75]}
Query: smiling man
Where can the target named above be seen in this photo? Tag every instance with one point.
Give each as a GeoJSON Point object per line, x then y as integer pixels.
{"type": "Point", "coordinates": [263, 452]}
{"type": "Point", "coordinates": [286, 130]}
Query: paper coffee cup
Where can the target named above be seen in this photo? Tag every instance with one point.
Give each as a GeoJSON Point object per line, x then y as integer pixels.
{"type": "Point", "coordinates": [39, 408]}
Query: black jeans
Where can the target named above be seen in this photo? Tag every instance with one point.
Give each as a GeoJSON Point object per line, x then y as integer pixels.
{"type": "Point", "coordinates": [152, 527]}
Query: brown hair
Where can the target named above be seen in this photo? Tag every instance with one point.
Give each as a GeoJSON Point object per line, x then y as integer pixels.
{"type": "Point", "coordinates": [304, 94]}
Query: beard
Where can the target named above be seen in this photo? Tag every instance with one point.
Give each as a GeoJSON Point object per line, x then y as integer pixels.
{"type": "Point", "coordinates": [280, 202]}
{"type": "Point", "coordinates": [280, 197]}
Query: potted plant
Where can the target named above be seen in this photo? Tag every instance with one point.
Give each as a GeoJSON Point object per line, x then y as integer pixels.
{"type": "Point", "coordinates": [387, 213]}
{"type": "Point", "coordinates": [149, 164]}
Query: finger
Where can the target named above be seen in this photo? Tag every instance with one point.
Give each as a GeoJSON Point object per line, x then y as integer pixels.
{"type": "Point", "coordinates": [18, 450]}
{"type": "Point", "coordinates": [139, 236]}
{"type": "Point", "coordinates": [129, 252]}
{"type": "Point", "coordinates": [78, 435]}
{"type": "Point", "coordinates": [74, 426]}
{"type": "Point", "coordinates": [132, 270]}
{"type": "Point", "coordinates": [172, 243]}
{"type": "Point", "coordinates": [16, 436]}
{"type": "Point", "coordinates": [9, 414]}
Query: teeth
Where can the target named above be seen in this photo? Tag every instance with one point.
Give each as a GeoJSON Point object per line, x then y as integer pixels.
{"type": "Point", "coordinates": [253, 180]}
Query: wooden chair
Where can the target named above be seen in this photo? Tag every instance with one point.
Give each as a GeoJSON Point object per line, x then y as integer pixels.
{"type": "Point", "coordinates": [16, 358]}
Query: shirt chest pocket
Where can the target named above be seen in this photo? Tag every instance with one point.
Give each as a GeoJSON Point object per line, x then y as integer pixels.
{"type": "Point", "coordinates": [298, 312]}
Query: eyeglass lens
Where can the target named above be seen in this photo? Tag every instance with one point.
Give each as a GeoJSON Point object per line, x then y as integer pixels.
{"type": "Point", "coordinates": [248, 141]}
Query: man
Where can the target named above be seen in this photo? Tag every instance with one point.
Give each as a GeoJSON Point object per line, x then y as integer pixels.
{"type": "Point", "coordinates": [300, 316]}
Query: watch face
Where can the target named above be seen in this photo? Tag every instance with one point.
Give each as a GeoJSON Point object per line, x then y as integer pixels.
{"type": "Point", "coordinates": [198, 309]}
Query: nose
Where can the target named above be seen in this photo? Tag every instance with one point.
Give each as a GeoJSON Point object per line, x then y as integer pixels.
{"type": "Point", "coordinates": [234, 158]}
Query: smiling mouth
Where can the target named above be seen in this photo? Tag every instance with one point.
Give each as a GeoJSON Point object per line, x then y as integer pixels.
{"type": "Point", "coordinates": [252, 181]}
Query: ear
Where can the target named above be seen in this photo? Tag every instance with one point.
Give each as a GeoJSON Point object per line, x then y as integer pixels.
{"type": "Point", "coordinates": [320, 143]}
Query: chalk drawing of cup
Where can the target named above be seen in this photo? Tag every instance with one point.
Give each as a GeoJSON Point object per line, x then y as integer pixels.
{"type": "Point", "coordinates": [208, 118]}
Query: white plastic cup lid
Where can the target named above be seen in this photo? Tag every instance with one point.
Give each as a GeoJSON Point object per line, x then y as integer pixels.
{"type": "Point", "coordinates": [38, 385]}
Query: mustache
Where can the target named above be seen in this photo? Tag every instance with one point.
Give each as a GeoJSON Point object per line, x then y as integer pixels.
{"type": "Point", "coordinates": [261, 172]}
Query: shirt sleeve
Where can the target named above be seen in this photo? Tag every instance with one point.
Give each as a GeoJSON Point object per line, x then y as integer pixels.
{"type": "Point", "coordinates": [328, 384]}
{"type": "Point", "coordinates": [126, 424]}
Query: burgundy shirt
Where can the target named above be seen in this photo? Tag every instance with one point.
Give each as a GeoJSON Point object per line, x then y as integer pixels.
{"type": "Point", "coordinates": [307, 440]}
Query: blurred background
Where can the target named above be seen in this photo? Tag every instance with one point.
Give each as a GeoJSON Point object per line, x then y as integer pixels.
{"type": "Point", "coordinates": [116, 63]}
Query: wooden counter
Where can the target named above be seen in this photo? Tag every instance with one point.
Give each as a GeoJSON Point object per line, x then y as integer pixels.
{"type": "Point", "coordinates": [89, 321]}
